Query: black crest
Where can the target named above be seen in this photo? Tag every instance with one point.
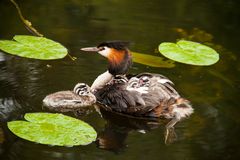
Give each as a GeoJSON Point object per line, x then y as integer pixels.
{"type": "Point", "coordinates": [119, 45]}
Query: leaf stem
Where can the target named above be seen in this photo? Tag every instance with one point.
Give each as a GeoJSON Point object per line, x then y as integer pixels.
{"type": "Point", "coordinates": [26, 22]}
{"type": "Point", "coordinates": [29, 26]}
{"type": "Point", "coordinates": [72, 57]}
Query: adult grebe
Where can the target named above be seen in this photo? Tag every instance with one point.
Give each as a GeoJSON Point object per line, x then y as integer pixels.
{"type": "Point", "coordinates": [64, 100]}
{"type": "Point", "coordinates": [144, 95]}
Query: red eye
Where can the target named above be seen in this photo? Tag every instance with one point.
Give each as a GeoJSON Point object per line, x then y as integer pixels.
{"type": "Point", "coordinates": [101, 48]}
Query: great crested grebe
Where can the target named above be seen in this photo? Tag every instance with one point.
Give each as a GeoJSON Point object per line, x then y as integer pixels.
{"type": "Point", "coordinates": [144, 95]}
{"type": "Point", "coordinates": [79, 97]}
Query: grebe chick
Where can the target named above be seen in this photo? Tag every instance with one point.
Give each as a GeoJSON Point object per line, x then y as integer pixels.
{"type": "Point", "coordinates": [79, 97]}
{"type": "Point", "coordinates": [144, 95]}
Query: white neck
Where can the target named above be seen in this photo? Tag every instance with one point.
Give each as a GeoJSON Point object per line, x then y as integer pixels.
{"type": "Point", "coordinates": [101, 80]}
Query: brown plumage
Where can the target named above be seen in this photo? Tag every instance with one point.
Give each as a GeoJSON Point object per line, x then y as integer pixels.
{"type": "Point", "coordinates": [116, 56]}
{"type": "Point", "coordinates": [155, 97]}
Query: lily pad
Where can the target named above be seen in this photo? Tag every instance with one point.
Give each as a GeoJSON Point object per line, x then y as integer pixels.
{"type": "Point", "coordinates": [53, 129]}
{"type": "Point", "coordinates": [33, 47]}
{"type": "Point", "coordinates": [189, 52]}
{"type": "Point", "coordinates": [152, 61]}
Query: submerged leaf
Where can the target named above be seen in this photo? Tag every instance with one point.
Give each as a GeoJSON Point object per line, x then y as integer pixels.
{"type": "Point", "coordinates": [152, 61]}
{"type": "Point", "coordinates": [53, 129]}
{"type": "Point", "coordinates": [189, 52]}
{"type": "Point", "coordinates": [221, 76]}
{"type": "Point", "coordinates": [33, 47]}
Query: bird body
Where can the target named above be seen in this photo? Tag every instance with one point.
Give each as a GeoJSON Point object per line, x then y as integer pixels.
{"type": "Point", "coordinates": [143, 95]}
{"type": "Point", "coordinates": [63, 100]}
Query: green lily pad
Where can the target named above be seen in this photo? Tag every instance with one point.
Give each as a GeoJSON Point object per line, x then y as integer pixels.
{"type": "Point", "coordinates": [33, 47]}
{"type": "Point", "coordinates": [189, 52]}
{"type": "Point", "coordinates": [53, 129]}
{"type": "Point", "coordinates": [152, 61]}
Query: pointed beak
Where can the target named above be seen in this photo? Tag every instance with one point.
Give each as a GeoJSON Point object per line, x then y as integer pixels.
{"type": "Point", "coordinates": [90, 49]}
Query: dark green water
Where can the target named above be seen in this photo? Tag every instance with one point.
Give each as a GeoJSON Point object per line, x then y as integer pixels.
{"type": "Point", "coordinates": [212, 132]}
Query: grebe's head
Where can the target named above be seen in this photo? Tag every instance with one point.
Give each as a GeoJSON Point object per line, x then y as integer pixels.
{"type": "Point", "coordinates": [133, 82]}
{"type": "Point", "coordinates": [107, 48]}
{"type": "Point", "coordinates": [119, 79]}
{"type": "Point", "coordinates": [81, 89]}
{"type": "Point", "coordinates": [140, 85]}
{"type": "Point", "coordinates": [144, 81]}
{"type": "Point", "coordinates": [117, 53]}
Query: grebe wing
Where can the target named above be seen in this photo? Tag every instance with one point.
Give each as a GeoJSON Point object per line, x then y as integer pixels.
{"type": "Point", "coordinates": [139, 101]}
{"type": "Point", "coordinates": [160, 78]}
{"type": "Point", "coordinates": [159, 84]}
{"type": "Point", "coordinates": [118, 98]}
{"type": "Point", "coordinates": [156, 90]}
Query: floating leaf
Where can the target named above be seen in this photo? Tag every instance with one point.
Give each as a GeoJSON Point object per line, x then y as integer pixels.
{"type": "Point", "coordinates": [189, 52]}
{"type": "Point", "coordinates": [152, 61]}
{"type": "Point", "coordinates": [33, 47]}
{"type": "Point", "coordinates": [53, 129]}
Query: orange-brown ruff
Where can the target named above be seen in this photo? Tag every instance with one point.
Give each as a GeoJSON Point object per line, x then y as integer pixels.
{"type": "Point", "coordinates": [116, 57]}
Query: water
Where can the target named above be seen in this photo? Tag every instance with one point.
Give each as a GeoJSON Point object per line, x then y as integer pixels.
{"type": "Point", "coordinates": [210, 133]}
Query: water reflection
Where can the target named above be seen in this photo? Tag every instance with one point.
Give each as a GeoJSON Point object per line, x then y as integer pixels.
{"type": "Point", "coordinates": [19, 86]}
{"type": "Point", "coordinates": [7, 107]}
{"type": "Point", "coordinates": [2, 57]}
{"type": "Point", "coordinates": [8, 102]}
{"type": "Point", "coordinates": [23, 150]}
{"type": "Point", "coordinates": [118, 126]}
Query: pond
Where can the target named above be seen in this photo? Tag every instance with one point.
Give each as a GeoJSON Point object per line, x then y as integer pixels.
{"type": "Point", "coordinates": [210, 133]}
